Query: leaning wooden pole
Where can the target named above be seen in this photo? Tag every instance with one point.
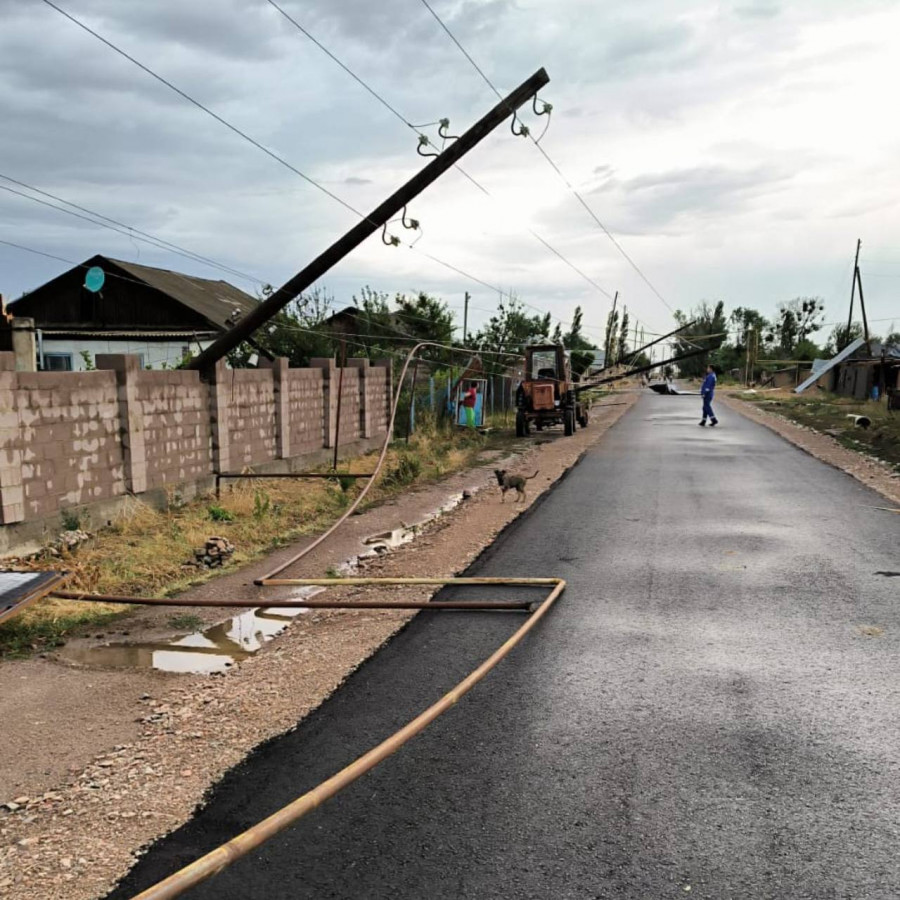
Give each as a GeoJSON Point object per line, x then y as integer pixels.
{"type": "Point", "coordinates": [369, 225]}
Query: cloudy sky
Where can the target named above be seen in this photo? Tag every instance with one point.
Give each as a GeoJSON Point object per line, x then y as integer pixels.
{"type": "Point", "coordinates": [735, 149]}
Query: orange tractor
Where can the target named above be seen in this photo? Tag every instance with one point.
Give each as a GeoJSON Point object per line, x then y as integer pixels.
{"type": "Point", "coordinates": [547, 393]}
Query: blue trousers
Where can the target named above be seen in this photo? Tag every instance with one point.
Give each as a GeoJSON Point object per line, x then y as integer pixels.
{"type": "Point", "coordinates": [707, 407]}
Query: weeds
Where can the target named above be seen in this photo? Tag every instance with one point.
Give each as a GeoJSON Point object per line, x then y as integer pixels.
{"type": "Point", "coordinates": [406, 470]}
{"type": "Point", "coordinates": [261, 505]}
{"type": "Point", "coordinates": [219, 513]}
{"type": "Point", "coordinates": [185, 621]}
{"type": "Point", "coordinates": [144, 551]}
{"type": "Point", "coordinates": [829, 413]}
{"type": "Point", "coordinates": [71, 520]}
{"type": "Point", "coordinates": [20, 638]}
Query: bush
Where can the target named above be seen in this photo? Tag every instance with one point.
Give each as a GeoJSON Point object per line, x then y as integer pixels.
{"type": "Point", "coordinates": [71, 520]}
{"type": "Point", "coordinates": [407, 469]}
{"type": "Point", "coordinates": [220, 514]}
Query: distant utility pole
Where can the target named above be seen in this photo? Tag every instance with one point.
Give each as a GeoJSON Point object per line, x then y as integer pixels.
{"type": "Point", "coordinates": [857, 283]}
{"type": "Point", "coordinates": [853, 290]}
{"type": "Point", "coordinates": [747, 364]}
{"type": "Point", "coordinates": [370, 224]}
{"type": "Point", "coordinates": [465, 316]}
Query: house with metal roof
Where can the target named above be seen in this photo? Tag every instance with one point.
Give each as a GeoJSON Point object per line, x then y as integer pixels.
{"type": "Point", "coordinates": [156, 314]}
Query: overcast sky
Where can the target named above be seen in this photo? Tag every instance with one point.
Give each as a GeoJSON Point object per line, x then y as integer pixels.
{"type": "Point", "coordinates": [735, 149]}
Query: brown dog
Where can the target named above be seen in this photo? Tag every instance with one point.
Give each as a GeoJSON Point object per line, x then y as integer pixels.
{"type": "Point", "coordinates": [509, 482]}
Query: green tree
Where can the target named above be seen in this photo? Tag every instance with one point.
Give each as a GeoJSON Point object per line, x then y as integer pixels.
{"type": "Point", "coordinates": [841, 336]}
{"type": "Point", "coordinates": [609, 343]}
{"type": "Point", "coordinates": [507, 332]}
{"type": "Point", "coordinates": [807, 350]}
{"type": "Point", "coordinates": [425, 318]}
{"type": "Point", "coordinates": [797, 320]}
{"type": "Point", "coordinates": [708, 332]}
{"type": "Point", "coordinates": [296, 333]}
{"type": "Point", "coordinates": [622, 340]}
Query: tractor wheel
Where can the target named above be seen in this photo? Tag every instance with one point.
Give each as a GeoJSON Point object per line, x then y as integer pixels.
{"type": "Point", "coordinates": [583, 420]}
{"type": "Point", "coordinates": [569, 422]}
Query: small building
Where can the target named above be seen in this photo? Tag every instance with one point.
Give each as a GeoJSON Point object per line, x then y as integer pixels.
{"type": "Point", "coordinates": [861, 374]}
{"type": "Point", "coordinates": [157, 314]}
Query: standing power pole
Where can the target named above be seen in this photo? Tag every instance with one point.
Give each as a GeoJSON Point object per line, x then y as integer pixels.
{"type": "Point", "coordinates": [465, 316]}
{"type": "Point", "coordinates": [852, 290]}
{"type": "Point", "coordinates": [370, 224]}
{"type": "Point", "coordinates": [747, 364]}
{"type": "Point", "coordinates": [862, 306]}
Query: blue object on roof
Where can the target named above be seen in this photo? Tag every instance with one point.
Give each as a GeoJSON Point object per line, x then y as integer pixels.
{"type": "Point", "coordinates": [94, 279]}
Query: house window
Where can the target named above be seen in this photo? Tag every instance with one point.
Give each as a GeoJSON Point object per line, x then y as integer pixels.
{"type": "Point", "coordinates": [57, 362]}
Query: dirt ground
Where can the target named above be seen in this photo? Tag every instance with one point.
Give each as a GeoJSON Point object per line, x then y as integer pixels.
{"type": "Point", "coordinates": [97, 763]}
{"type": "Point", "coordinates": [870, 471]}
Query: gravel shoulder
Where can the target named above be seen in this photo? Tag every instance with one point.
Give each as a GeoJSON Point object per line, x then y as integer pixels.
{"type": "Point", "coordinates": [98, 763]}
{"type": "Point", "coordinates": [870, 471]}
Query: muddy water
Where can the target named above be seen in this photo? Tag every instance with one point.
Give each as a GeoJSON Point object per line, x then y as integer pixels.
{"type": "Point", "coordinates": [219, 647]}
{"type": "Point", "coordinates": [213, 650]}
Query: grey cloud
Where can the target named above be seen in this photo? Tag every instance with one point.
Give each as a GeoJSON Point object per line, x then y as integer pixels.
{"type": "Point", "coordinates": [667, 201]}
{"type": "Point", "coordinates": [762, 9]}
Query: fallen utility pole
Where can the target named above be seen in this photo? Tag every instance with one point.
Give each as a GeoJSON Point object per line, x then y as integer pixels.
{"type": "Point", "coordinates": [245, 327]}
{"type": "Point", "coordinates": [640, 350]}
{"type": "Point", "coordinates": [665, 362]}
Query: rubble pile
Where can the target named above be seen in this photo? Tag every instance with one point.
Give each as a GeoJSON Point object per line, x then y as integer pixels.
{"type": "Point", "coordinates": [213, 553]}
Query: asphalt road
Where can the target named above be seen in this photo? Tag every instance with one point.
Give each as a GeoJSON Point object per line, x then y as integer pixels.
{"type": "Point", "coordinates": [711, 710]}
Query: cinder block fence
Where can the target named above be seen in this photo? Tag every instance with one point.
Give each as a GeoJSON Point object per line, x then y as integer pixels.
{"type": "Point", "coordinates": [71, 439]}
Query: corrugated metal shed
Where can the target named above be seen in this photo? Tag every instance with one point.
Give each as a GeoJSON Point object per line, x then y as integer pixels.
{"type": "Point", "coordinates": [848, 351]}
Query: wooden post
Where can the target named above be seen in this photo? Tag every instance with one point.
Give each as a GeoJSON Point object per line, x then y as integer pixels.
{"type": "Point", "coordinates": [412, 400]}
{"type": "Point", "coordinates": [852, 291]}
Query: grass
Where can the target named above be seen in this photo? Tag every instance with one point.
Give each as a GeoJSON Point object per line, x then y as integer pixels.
{"type": "Point", "coordinates": [185, 621]}
{"type": "Point", "coordinates": [828, 413]}
{"type": "Point", "coordinates": [145, 551]}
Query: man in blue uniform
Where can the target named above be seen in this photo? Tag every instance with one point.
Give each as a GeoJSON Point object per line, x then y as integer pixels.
{"type": "Point", "coordinates": [707, 389]}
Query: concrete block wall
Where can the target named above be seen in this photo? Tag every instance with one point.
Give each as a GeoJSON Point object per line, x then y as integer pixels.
{"type": "Point", "coordinates": [76, 438]}
{"type": "Point", "coordinates": [174, 407]}
{"type": "Point", "coordinates": [306, 411]}
{"type": "Point", "coordinates": [250, 394]}
{"type": "Point", "coordinates": [69, 440]}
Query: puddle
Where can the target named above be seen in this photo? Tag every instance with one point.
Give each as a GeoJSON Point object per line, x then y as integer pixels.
{"type": "Point", "coordinates": [213, 650]}
{"type": "Point", "coordinates": [385, 541]}
{"type": "Point", "coordinates": [219, 647]}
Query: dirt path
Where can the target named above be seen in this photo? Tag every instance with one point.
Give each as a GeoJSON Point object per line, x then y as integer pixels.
{"type": "Point", "coordinates": [121, 757]}
{"type": "Point", "coordinates": [871, 472]}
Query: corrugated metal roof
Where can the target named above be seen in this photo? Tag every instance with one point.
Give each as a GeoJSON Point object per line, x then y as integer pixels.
{"type": "Point", "coordinates": [849, 350]}
{"type": "Point", "coordinates": [216, 301]}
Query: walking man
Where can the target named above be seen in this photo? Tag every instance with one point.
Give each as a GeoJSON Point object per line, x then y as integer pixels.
{"type": "Point", "coordinates": [707, 389]}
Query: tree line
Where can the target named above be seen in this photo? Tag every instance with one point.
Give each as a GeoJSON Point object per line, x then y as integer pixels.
{"type": "Point", "coordinates": [377, 325]}
{"type": "Point", "coordinates": [746, 338]}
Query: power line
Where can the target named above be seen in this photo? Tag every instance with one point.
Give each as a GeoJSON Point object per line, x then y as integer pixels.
{"type": "Point", "coordinates": [130, 231]}
{"type": "Point", "coordinates": [556, 168]}
{"type": "Point", "coordinates": [235, 129]}
{"type": "Point", "coordinates": [206, 109]}
{"type": "Point", "coordinates": [422, 134]}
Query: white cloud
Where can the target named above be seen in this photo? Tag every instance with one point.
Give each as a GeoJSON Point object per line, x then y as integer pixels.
{"type": "Point", "coordinates": [738, 149]}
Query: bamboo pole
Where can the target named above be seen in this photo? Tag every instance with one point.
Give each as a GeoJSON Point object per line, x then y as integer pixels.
{"type": "Point", "coordinates": [217, 860]}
